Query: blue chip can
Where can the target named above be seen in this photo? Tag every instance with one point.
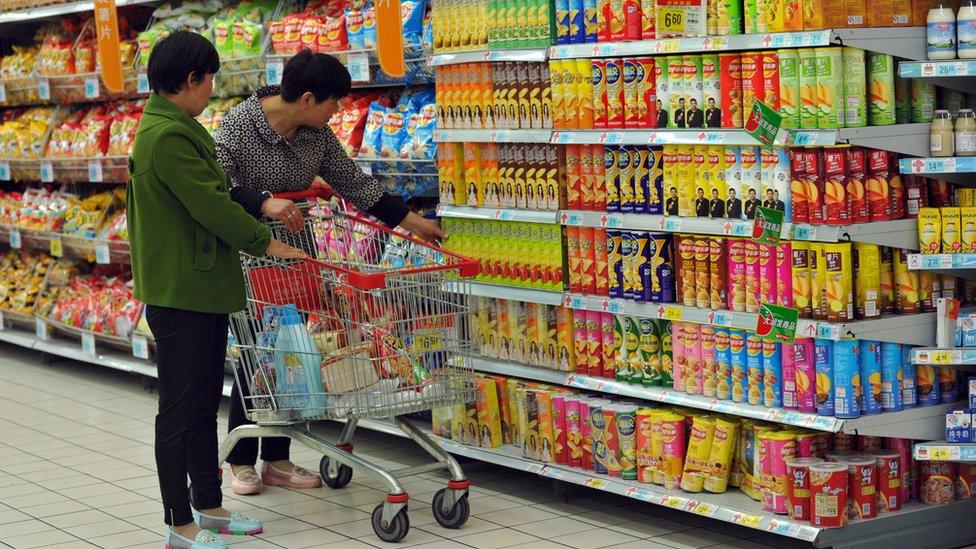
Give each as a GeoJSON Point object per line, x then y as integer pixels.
{"type": "Point", "coordinates": [847, 380]}
{"type": "Point", "coordinates": [772, 374]}
{"type": "Point", "coordinates": [754, 369]}
{"type": "Point", "coordinates": [737, 365]}
{"type": "Point", "coordinates": [927, 385]}
{"type": "Point", "coordinates": [823, 356]}
{"type": "Point", "coordinates": [723, 357]}
{"type": "Point", "coordinates": [872, 382]}
{"type": "Point", "coordinates": [891, 377]}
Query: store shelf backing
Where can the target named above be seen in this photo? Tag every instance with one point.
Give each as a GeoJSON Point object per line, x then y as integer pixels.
{"type": "Point", "coordinates": [57, 10]}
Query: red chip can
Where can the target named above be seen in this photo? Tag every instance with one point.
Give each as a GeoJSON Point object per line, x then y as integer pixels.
{"type": "Point", "coordinates": [828, 495]}
{"type": "Point", "coordinates": [816, 186]}
{"type": "Point", "coordinates": [889, 479]}
{"type": "Point", "coordinates": [730, 86]}
{"type": "Point", "coordinates": [879, 205]}
{"type": "Point", "coordinates": [862, 494]}
{"type": "Point", "coordinates": [752, 80]}
{"type": "Point", "coordinates": [598, 77]}
{"type": "Point", "coordinates": [835, 174]}
{"type": "Point", "coordinates": [916, 195]}
{"type": "Point", "coordinates": [632, 93]}
{"type": "Point", "coordinates": [632, 19]}
{"type": "Point", "coordinates": [940, 194]}
{"type": "Point", "coordinates": [903, 447]}
{"type": "Point", "coordinates": [842, 442]}
{"type": "Point", "coordinates": [856, 175]}
{"type": "Point", "coordinates": [896, 189]}
{"type": "Point", "coordinates": [937, 482]}
{"type": "Point", "coordinates": [647, 88]}
{"type": "Point", "coordinates": [769, 68]}
{"type": "Point", "coordinates": [798, 487]}
{"type": "Point", "coordinates": [615, 93]}
{"type": "Point", "coordinates": [798, 187]}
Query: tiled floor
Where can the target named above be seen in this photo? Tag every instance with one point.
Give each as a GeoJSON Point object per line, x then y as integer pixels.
{"type": "Point", "coordinates": [76, 470]}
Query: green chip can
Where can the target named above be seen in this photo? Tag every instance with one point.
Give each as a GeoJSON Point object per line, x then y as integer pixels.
{"type": "Point", "coordinates": [881, 89]}
{"type": "Point", "coordinates": [855, 88]}
{"type": "Point", "coordinates": [903, 101]}
{"type": "Point", "coordinates": [650, 350]}
{"type": "Point", "coordinates": [621, 331]}
{"type": "Point", "coordinates": [751, 15]}
{"type": "Point", "coordinates": [626, 416]}
{"type": "Point", "coordinates": [830, 88]}
{"type": "Point", "coordinates": [667, 354]}
{"type": "Point", "coordinates": [729, 15]}
{"type": "Point", "coordinates": [789, 87]}
{"type": "Point", "coordinates": [808, 88]}
{"type": "Point", "coordinates": [922, 100]}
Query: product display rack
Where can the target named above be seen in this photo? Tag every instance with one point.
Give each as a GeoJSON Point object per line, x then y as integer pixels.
{"type": "Point", "coordinates": [943, 451]}
{"type": "Point", "coordinates": [474, 56]}
{"type": "Point", "coordinates": [961, 265]}
{"type": "Point", "coordinates": [912, 526]}
{"type": "Point", "coordinates": [34, 14]}
{"type": "Point", "coordinates": [961, 358]}
{"type": "Point", "coordinates": [916, 329]}
{"type": "Point", "coordinates": [948, 74]}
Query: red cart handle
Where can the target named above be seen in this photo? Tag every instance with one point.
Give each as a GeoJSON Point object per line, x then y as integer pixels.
{"type": "Point", "coordinates": [312, 192]}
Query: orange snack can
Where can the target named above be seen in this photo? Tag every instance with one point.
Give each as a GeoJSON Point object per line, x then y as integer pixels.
{"type": "Point", "coordinates": [587, 261]}
{"type": "Point", "coordinates": [573, 257]}
{"type": "Point", "coordinates": [752, 80]}
{"type": "Point", "coordinates": [600, 261]}
{"type": "Point", "coordinates": [615, 93]}
{"type": "Point", "coordinates": [632, 93]}
{"type": "Point", "coordinates": [798, 486]}
{"type": "Point", "coordinates": [835, 175]}
{"type": "Point", "coordinates": [574, 197]}
{"type": "Point", "coordinates": [598, 77]}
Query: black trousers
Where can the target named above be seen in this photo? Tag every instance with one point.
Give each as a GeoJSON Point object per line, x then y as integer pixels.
{"type": "Point", "coordinates": [245, 452]}
{"type": "Point", "coordinates": [190, 353]}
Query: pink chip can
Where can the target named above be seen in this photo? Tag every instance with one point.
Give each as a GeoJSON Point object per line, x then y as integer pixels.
{"type": "Point", "coordinates": [608, 345]}
{"type": "Point", "coordinates": [823, 444]}
{"type": "Point", "coordinates": [737, 275]}
{"type": "Point", "coordinates": [775, 447]}
{"type": "Point", "coordinates": [559, 426]}
{"type": "Point", "coordinates": [586, 442]}
{"type": "Point", "coordinates": [709, 367]}
{"type": "Point", "coordinates": [768, 284]}
{"type": "Point", "coordinates": [866, 443]}
{"type": "Point", "coordinates": [753, 282]}
{"type": "Point", "coordinates": [804, 375]}
{"type": "Point", "coordinates": [843, 442]}
{"type": "Point", "coordinates": [798, 488]}
{"type": "Point", "coordinates": [784, 275]}
{"type": "Point", "coordinates": [806, 445]}
{"type": "Point", "coordinates": [679, 354]}
{"type": "Point", "coordinates": [693, 375]}
{"type": "Point", "coordinates": [789, 376]}
{"type": "Point", "coordinates": [574, 432]}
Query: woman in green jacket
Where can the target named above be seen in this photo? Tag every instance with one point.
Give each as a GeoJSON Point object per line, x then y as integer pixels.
{"type": "Point", "coordinates": [185, 234]}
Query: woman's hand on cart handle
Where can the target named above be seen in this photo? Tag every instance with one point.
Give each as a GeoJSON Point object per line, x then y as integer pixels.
{"type": "Point", "coordinates": [424, 229]}
{"type": "Point", "coordinates": [281, 250]}
{"type": "Point", "coordinates": [285, 211]}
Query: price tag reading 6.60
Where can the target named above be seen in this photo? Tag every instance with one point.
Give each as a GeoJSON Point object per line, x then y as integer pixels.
{"type": "Point", "coordinates": [671, 18]}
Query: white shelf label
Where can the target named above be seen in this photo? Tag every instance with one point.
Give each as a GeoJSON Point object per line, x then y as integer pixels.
{"type": "Point", "coordinates": [716, 318]}
{"type": "Point", "coordinates": [88, 344]}
{"type": "Point", "coordinates": [932, 261]}
{"type": "Point", "coordinates": [574, 301]}
{"type": "Point", "coordinates": [272, 72]}
{"type": "Point", "coordinates": [92, 87]}
{"type": "Point", "coordinates": [613, 306]}
{"type": "Point", "coordinates": [671, 224]}
{"type": "Point", "coordinates": [15, 242]}
{"type": "Point", "coordinates": [611, 221]}
{"type": "Point", "coordinates": [57, 246]}
{"type": "Point", "coordinates": [358, 66]}
{"type": "Point", "coordinates": [41, 329]}
{"type": "Point", "coordinates": [47, 172]}
{"type": "Point", "coordinates": [828, 331]}
{"type": "Point", "coordinates": [3, 324]}
{"type": "Point", "coordinates": [140, 347]}
{"type": "Point", "coordinates": [945, 453]}
{"type": "Point", "coordinates": [3, 93]}
{"type": "Point", "coordinates": [44, 89]}
{"type": "Point", "coordinates": [95, 171]}
{"type": "Point", "coordinates": [572, 219]}
{"type": "Point", "coordinates": [804, 232]}
{"type": "Point", "coordinates": [142, 83]}
{"type": "Point", "coordinates": [562, 138]}
{"type": "Point", "coordinates": [103, 255]}
{"type": "Point", "coordinates": [5, 171]}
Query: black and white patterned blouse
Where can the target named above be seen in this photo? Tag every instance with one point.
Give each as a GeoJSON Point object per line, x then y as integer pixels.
{"type": "Point", "coordinates": [258, 159]}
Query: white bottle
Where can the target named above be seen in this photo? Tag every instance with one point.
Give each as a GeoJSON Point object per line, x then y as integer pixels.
{"type": "Point", "coordinates": [941, 32]}
{"type": "Point", "coordinates": [966, 30]}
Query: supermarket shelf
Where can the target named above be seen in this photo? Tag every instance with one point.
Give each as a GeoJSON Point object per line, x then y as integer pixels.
{"type": "Point", "coordinates": [529, 54]}
{"type": "Point", "coordinates": [912, 423]}
{"type": "Point", "coordinates": [910, 139]}
{"type": "Point", "coordinates": [61, 9]}
{"type": "Point", "coordinates": [944, 357]}
{"type": "Point", "coordinates": [497, 214]}
{"type": "Point", "coordinates": [915, 525]}
{"type": "Point", "coordinates": [499, 291]}
{"type": "Point", "coordinates": [492, 136]}
{"type": "Point", "coordinates": [961, 265]}
{"type": "Point", "coordinates": [905, 42]}
{"type": "Point", "coordinates": [901, 233]}
{"type": "Point", "coordinates": [949, 74]}
{"type": "Point", "coordinates": [956, 169]}
{"type": "Point", "coordinates": [941, 450]}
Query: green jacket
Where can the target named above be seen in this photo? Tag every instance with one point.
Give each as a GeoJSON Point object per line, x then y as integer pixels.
{"type": "Point", "coordinates": [185, 231]}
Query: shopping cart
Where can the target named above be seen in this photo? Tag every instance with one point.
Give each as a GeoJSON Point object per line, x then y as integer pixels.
{"type": "Point", "coordinates": [368, 330]}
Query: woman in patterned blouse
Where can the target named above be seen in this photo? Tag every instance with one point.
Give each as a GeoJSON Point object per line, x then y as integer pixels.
{"type": "Point", "coordinates": [278, 140]}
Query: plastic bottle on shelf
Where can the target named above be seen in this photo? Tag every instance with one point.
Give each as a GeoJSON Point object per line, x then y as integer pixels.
{"type": "Point", "coordinates": [965, 135]}
{"type": "Point", "coordinates": [942, 136]}
{"type": "Point", "coordinates": [941, 31]}
{"type": "Point", "coordinates": [966, 30]}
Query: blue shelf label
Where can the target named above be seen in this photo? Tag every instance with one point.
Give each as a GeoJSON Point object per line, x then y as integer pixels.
{"type": "Point", "coordinates": [4, 171]}
{"type": "Point", "coordinates": [142, 83]}
{"type": "Point", "coordinates": [93, 87]}
{"type": "Point", "coordinates": [272, 72]}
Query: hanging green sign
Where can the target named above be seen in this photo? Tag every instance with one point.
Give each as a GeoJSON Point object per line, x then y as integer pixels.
{"type": "Point", "coordinates": [763, 123]}
{"type": "Point", "coordinates": [767, 226]}
{"type": "Point", "coordinates": [777, 323]}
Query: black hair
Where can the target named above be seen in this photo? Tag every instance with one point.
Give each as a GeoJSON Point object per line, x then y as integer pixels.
{"type": "Point", "coordinates": [324, 76]}
{"type": "Point", "coordinates": [178, 56]}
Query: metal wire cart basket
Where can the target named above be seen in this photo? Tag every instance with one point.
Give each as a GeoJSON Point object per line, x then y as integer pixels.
{"type": "Point", "coordinates": [368, 329]}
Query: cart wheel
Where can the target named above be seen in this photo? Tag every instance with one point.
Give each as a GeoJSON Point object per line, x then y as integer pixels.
{"type": "Point", "coordinates": [342, 478]}
{"type": "Point", "coordinates": [457, 516]}
{"type": "Point", "coordinates": [393, 531]}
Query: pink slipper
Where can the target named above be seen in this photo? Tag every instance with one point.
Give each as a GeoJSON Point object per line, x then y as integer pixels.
{"type": "Point", "coordinates": [247, 484]}
{"type": "Point", "coordinates": [298, 478]}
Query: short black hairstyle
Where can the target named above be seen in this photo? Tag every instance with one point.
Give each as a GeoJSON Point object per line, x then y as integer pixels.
{"type": "Point", "coordinates": [178, 56]}
{"type": "Point", "coordinates": [324, 76]}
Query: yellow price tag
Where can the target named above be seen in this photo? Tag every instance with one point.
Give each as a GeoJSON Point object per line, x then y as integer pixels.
{"type": "Point", "coordinates": [674, 313]}
{"type": "Point", "coordinates": [745, 519]}
{"type": "Point", "coordinates": [57, 247]}
{"type": "Point", "coordinates": [671, 45]}
{"type": "Point", "coordinates": [939, 453]}
{"type": "Point", "coordinates": [673, 502]}
{"type": "Point", "coordinates": [941, 357]}
{"type": "Point", "coordinates": [595, 482]}
{"type": "Point", "coordinates": [670, 19]}
{"type": "Point", "coordinates": [704, 509]}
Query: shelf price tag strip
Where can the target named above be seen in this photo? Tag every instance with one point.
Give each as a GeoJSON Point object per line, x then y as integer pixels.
{"type": "Point", "coordinates": [95, 174]}
{"type": "Point", "coordinates": [15, 241]}
{"type": "Point", "coordinates": [88, 344]}
{"type": "Point", "coordinates": [140, 347]}
{"type": "Point", "coordinates": [103, 255]}
{"type": "Point", "coordinates": [92, 87]}
{"type": "Point", "coordinates": [4, 171]}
